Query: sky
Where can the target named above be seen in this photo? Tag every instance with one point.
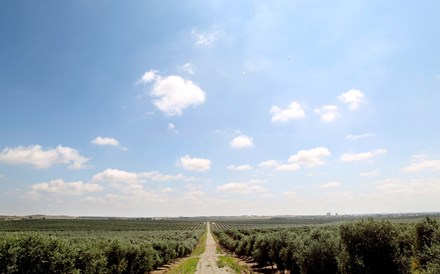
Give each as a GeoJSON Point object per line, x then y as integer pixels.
{"type": "Point", "coordinates": [203, 108]}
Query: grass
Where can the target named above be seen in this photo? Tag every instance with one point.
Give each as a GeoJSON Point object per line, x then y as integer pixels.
{"type": "Point", "coordinates": [188, 266]}
{"type": "Point", "coordinates": [231, 262]}
{"type": "Point", "coordinates": [201, 245]}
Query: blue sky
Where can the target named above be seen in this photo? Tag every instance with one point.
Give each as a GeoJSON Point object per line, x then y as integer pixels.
{"type": "Point", "coordinates": [165, 108]}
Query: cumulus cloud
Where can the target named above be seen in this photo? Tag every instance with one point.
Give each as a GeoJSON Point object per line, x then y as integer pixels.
{"type": "Point", "coordinates": [247, 187]}
{"type": "Point", "coordinates": [194, 164]}
{"type": "Point", "coordinates": [303, 158]}
{"type": "Point", "coordinates": [173, 93]}
{"type": "Point", "coordinates": [105, 141]}
{"type": "Point", "coordinates": [328, 113]}
{"type": "Point", "coordinates": [422, 164]}
{"type": "Point", "coordinates": [241, 141]}
{"type": "Point", "coordinates": [269, 164]}
{"type": "Point", "coordinates": [293, 112]}
{"type": "Point", "coordinates": [353, 98]}
{"type": "Point", "coordinates": [149, 76]}
{"type": "Point", "coordinates": [116, 175]}
{"type": "Point", "coordinates": [275, 165]}
{"type": "Point", "coordinates": [310, 158]}
{"type": "Point", "coordinates": [39, 158]}
{"type": "Point", "coordinates": [352, 137]}
{"type": "Point", "coordinates": [355, 157]}
{"type": "Point", "coordinates": [59, 186]}
{"type": "Point", "coordinates": [240, 167]}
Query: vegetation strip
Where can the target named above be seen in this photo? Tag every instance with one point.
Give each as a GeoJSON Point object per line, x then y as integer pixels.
{"type": "Point", "coordinates": [232, 263]}
{"type": "Point", "coordinates": [188, 266]}
{"type": "Point", "coordinates": [201, 245]}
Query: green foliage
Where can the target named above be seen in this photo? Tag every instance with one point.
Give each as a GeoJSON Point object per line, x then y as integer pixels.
{"type": "Point", "coordinates": [232, 263]}
{"type": "Point", "coordinates": [369, 246]}
{"type": "Point", "coordinates": [319, 253]}
{"type": "Point", "coordinates": [188, 266]}
{"type": "Point", "coordinates": [427, 246]}
{"type": "Point", "coordinates": [201, 245]}
{"type": "Point", "coordinates": [101, 251]}
{"type": "Point", "coordinates": [365, 246]}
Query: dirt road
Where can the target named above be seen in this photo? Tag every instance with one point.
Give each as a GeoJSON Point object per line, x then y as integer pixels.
{"type": "Point", "coordinates": [208, 260]}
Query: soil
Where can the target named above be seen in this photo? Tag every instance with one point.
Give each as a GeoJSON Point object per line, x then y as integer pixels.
{"type": "Point", "coordinates": [208, 260]}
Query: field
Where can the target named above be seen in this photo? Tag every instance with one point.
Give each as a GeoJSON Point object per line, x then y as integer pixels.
{"type": "Point", "coordinates": [306, 245]}
{"type": "Point", "coordinates": [335, 245]}
{"type": "Point", "coordinates": [94, 246]}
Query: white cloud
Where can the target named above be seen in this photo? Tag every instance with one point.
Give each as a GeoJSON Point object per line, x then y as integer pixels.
{"type": "Point", "coordinates": [275, 165]}
{"type": "Point", "coordinates": [173, 92]}
{"type": "Point", "coordinates": [157, 176]}
{"type": "Point", "coordinates": [303, 158]}
{"type": "Point", "coordinates": [194, 164]}
{"type": "Point", "coordinates": [176, 94]}
{"type": "Point", "coordinates": [310, 158]}
{"type": "Point", "coordinates": [248, 187]}
{"type": "Point", "coordinates": [241, 141]}
{"type": "Point", "coordinates": [205, 39]}
{"type": "Point", "coordinates": [116, 175]}
{"type": "Point", "coordinates": [353, 98]}
{"type": "Point", "coordinates": [352, 137]}
{"type": "Point", "coordinates": [105, 141]}
{"type": "Point", "coordinates": [328, 113]}
{"type": "Point", "coordinates": [330, 185]}
{"type": "Point", "coordinates": [39, 158]}
{"type": "Point", "coordinates": [269, 164]}
{"type": "Point", "coordinates": [421, 165]}
{"type": "Point", "coordinates": [293, 112]}
{"type": "Point", "coordinates": [240, 167]}
{"type": "Point", "coordinates": [149, 76]}
{"type": "Point", "coordinates": [355, 157]}
{"type": "Point", "coordinates": [122, 176]}
{"type": "Point", "coordinates": [65, 188]}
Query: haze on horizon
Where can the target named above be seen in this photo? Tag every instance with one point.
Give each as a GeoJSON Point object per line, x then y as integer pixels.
{"type": "Point", "coordinates": [203, 108]}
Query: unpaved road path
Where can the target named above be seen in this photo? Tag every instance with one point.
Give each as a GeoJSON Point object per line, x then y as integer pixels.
{"type": "Point", "coordinates": [208, 260]}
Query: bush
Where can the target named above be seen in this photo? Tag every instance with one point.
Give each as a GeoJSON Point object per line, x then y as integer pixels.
{"type": "Point", "coordinates": [319, 253]}
{"type": "Point", "coordinates": [35, 254]}
{"type": "Point", "coordinates": [370, 246]}
{"type": "Point", "coordinates": [427, 235]}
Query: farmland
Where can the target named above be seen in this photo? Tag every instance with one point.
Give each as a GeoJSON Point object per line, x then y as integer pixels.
{"type": "Point", "coordinates": [94, 246]}
{"type": "Point", "coordinates": [325, 245]}
{"type": "Point", "coordinates": [305, 245]}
